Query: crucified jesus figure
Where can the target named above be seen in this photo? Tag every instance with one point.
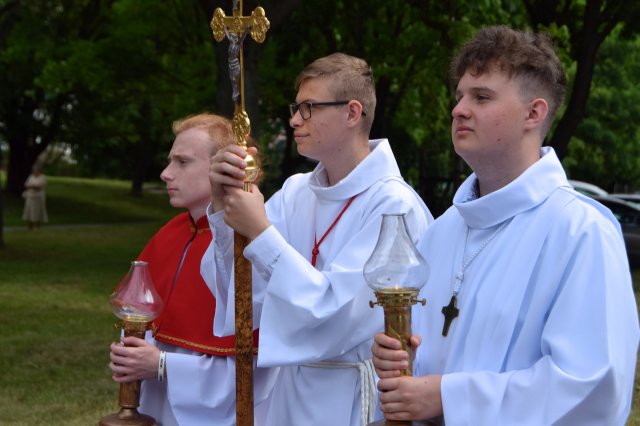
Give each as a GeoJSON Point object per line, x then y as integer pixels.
{"type": "Point", "coordinates": [235, 43]}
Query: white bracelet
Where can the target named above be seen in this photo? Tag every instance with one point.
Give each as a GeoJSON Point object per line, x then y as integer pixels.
{"type": "Point", "coordinates": [161, 365]}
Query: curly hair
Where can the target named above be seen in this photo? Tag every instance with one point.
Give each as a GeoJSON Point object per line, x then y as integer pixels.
{"type": "Point", "coordinates": [526, 56]}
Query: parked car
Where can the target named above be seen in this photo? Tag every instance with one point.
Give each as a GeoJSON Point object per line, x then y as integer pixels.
{"type": "Point", "coordinates": [628, 214]}
{"type": "Point", "coordinates": [588, 188]}
{"type": "Point", "coordinates": [630, 198]}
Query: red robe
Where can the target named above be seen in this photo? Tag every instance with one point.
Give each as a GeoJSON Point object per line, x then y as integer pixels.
{"type": "Point", "coordinates": [189, 306]}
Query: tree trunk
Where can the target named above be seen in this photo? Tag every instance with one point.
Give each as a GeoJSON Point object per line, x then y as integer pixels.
{"type": "Point", "coordinates": [588, 42]}
{"type": "Point", "coordinates": [144, 151]}
{"type": "Point", "coordinates": [1, 208]}
{"type": "Point", "coordinates": [22, 133]}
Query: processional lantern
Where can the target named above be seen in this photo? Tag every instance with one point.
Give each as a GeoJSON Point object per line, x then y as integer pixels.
{"type": "Point", "coordinates": [396, 271]}
{"type": "Point", "coordinates": [235, 28]}
{"type": "Point", "coordinates": [136, 303]}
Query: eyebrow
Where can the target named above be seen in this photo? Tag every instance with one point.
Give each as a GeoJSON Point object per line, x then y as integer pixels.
{"type": "Point", "coordinates": [476, 90]}
{"type": "Point", "coordinates": [178, 157]}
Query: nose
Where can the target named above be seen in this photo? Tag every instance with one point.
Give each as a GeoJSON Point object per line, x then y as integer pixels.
{"type": "Point", "coordinates": [166, 174]}
{"type": "Point", "coordinates": [460, 110]}
{"type": "Point", "coordinates": [296, 120]}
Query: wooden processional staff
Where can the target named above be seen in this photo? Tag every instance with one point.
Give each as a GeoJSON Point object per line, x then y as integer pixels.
{"type": "Point", "coordinates": [236, 28]}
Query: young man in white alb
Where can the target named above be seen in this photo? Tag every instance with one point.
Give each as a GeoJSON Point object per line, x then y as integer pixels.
{"type": "Point", "coordinates": [309, 243]}
{"type": "Point", "coordinates": [531, 318]}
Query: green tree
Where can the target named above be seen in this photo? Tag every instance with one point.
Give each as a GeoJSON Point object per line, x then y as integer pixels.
{"type": "Point", "coordinates": [34, 38]}
{"type": "Point", "coordinates": [108, 77]}
{"type": "Point", "coordinates": [155, 65]}
{"type": "Point", "coordinates": [583, 25]}
{"type": "Point", "coordinates": [606, 145]}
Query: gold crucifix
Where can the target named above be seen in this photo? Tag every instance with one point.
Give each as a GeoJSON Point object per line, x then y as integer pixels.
{"type": "Point", "coordinates": [236, 28]}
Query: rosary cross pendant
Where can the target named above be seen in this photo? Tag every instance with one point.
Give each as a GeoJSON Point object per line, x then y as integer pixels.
{"type": "Point", "coordinates": [450, 312]}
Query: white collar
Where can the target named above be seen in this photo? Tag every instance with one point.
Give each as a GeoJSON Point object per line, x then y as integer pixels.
{"type": "Point", "coordinates": [379, 164]}
{"type": "Point", "coordinates": [528, 190]}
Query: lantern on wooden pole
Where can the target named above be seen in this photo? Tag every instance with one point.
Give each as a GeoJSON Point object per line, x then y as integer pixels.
{"type": "Point", "coordinates": [136, 303]}
{"type": "Point", "coordinates": [396, 271]}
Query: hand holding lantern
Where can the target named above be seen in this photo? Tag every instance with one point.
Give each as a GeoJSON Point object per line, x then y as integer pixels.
{"type": "Point", "coordinates": [136, 303]}
{"type": "Point", "coordinates": [396, 271]}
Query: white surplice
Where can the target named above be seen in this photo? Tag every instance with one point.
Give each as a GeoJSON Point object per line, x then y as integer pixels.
{"type": "Point", "coordinates": [547, 332]}
{"type": "Point", "coordinates": [316, 315]}
{"type": "Point", "coordinates": [200, 389]}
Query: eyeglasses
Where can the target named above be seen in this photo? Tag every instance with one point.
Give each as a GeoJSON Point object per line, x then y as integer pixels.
{"type": "Point", "coordinates": [305, 108]}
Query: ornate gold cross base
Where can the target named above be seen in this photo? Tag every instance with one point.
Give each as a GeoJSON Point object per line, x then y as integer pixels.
{"type": "Point", "coordinates": [129, 399]}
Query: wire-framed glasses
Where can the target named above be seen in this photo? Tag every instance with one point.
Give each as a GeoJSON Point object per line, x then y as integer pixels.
{"type": "Point", "coordinates": [305, 107]}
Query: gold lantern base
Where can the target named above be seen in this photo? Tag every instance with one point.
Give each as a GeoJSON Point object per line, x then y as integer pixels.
{"type": "Point", "coordinates": [129, 398]}
{"type": "Point", "coordinates": [397, 303]}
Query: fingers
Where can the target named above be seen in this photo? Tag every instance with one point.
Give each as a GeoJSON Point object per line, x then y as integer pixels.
{"type": "Point", "coordinates": [385, 341]}
{"type": "Point", "coordinates": [386, 386]}
{"type": "Point", "coordinates": [222, 173]}
{"type": "Point", "coordinates": [133, 341]}
{"type": "Point", "coordinates": [388, 357]}
{"type": "Point", "coordinates": [409, 397]}
{"type": "Point", "coordinates": [119, 355]}
{"type": "Point", "coordinates": [136, 361]}
{"type": "Point", "coordinates": [120, 371]}
{"type": "Point", "coordinates": [118, 349]}
{"type": "Point", "coordinates": [396, 412]}
{"type": "Point", "coordinates": [245, 212]}
{"type": "Point", "coordinates": [228, 164]}
{"type": "Point", "coordinates": [391, 400]}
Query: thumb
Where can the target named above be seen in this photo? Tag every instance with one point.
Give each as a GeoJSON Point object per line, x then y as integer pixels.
{"type": "Point", "coordinates": [255, 189]}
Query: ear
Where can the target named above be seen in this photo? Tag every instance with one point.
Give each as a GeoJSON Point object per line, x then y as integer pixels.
{"type": "Point", "coordinates": [355, 112]}
{"type": "Point", "coordinates": [537, 113]}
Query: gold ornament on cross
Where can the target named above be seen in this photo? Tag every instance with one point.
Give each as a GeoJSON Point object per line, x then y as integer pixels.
{"type": "Point", "coordinates": [236, 28]}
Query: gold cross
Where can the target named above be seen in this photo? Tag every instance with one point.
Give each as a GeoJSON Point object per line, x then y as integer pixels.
{"type": "Point", "coordinates": [236, 28]}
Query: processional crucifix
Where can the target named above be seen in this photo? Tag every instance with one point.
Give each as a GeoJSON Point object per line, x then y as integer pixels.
{"type": "Point", "coordinates": [236, 28]}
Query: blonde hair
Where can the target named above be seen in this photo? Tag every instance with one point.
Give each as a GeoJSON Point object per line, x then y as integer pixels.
{"type": "Point", "coordinates": [350, 77]}
{"type": "Point", "coordinates": [217, 127]}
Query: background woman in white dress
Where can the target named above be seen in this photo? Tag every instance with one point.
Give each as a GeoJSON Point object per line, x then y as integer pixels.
{"type": "Point", "coordinates": [35, 208]}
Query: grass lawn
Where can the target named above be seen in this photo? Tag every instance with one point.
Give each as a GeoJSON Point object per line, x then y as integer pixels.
{"type": "Point", "coordinates": [91, 201]}
{"type": "Point", "coordinates": [55, 321]}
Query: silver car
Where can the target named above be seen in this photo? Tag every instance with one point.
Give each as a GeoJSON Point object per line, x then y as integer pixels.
{"type": "Point", "coordinates": [628, 214]}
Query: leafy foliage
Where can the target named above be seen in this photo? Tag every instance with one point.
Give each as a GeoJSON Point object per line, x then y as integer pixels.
{"type": "Point", "coordinates": [107, 78]}
{"type": "Point", "coordinates": [606, 146]}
